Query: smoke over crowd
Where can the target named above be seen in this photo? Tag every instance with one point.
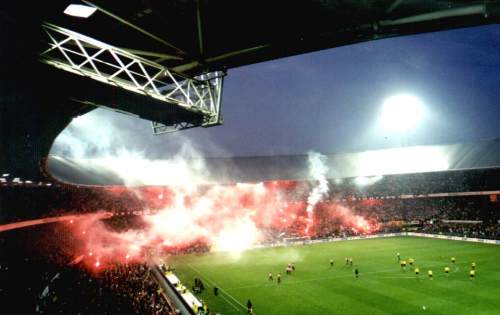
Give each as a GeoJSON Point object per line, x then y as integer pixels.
{"type": "Point", "coordinates": [183, 209]}
{"type": "Point", "coordinates": [318, 170]}
{"type": "Point", "coordinates": [223, 217]}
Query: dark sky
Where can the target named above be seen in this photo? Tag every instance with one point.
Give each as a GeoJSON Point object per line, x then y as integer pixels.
{"type": "Point", "coordinates": [330, 101]}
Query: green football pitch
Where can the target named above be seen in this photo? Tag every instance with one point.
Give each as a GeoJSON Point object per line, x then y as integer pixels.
{"type": "Point", "coordinates": [382, 287]}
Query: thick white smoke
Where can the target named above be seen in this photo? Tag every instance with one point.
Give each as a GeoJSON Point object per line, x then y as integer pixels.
{"type": "Point", "coordinates": [106, 142]}
{"type": "Point", "coordinates": [228, 217]}
{"type": "Point", "coordinates": [225, 216]}
{"type": "Point", "coordinates": [318, 171]}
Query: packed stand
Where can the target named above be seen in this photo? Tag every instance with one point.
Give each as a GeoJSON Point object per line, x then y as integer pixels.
{"type": "Point", "coordinates": [39, 276]}
{"type": "Point", "coordinates": [118, 289]}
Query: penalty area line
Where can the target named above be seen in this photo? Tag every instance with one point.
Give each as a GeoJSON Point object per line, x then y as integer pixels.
{"type": "Point", "coordinates": [238, 310]}
{"type": "Point", "coordinates": [222, 290]}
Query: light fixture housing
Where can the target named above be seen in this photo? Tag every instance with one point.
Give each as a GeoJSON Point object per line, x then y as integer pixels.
{"type": "Point", "coordinates": [80, 10]}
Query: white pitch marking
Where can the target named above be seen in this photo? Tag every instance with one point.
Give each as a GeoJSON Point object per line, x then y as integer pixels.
{"type": "Point", "coordinates": [215, 285]}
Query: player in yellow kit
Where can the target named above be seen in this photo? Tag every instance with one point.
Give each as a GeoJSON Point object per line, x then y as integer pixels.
{"type": "Point", "coordinates": [473, 266]}
{"type": "Point", "coordinates": [472, 274]}
{"type": "Point", "coordinates": [429, 274]}
{"type": "Point", "coordinates": [447, 270]}
{"type": "Point", "coordinates": [417, 272]}
{"type": "Point", "coordinates": [403, 264]}
{"type": "Point", "coordinates": [453, 259]}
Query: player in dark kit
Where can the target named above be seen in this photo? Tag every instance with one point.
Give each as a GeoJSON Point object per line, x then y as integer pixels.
{"type": "Point", "coordinates": [216, 291]}
{"type": "Point", "coordinates": [196, 287]}
{"type": "Point", "coordinates": [249, 307]}
{"type": "Point", "coordinates": [278, 277]}
{"type": "Point", "coordinates": [356, 272]}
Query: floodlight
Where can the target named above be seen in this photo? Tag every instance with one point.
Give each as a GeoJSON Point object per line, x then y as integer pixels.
{"type": "Point", "coordinates": [80, 10]}
{"type": "Point", "coordinates": [401, 112]}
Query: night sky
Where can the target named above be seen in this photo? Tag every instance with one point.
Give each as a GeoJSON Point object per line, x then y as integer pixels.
{"type": "Point", "coordinates": [330, 101]}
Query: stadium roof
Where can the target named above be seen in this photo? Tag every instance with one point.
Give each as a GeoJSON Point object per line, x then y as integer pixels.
{"type": "Point", "coordinates": [418, 159]}
{"type": "Point", "coordinates": [189, 37]}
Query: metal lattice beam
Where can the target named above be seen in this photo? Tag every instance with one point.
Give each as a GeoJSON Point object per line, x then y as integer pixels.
{"type": "Point", "coordinates": [83, 55]}
{"type": "Point", "coordinates": [159, 128]}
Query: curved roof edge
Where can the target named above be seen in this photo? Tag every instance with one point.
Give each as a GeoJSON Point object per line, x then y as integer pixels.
{"type": "Point", "coordinates": [404, 160]}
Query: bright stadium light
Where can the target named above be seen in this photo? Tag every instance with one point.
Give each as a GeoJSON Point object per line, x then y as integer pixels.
{"type": "Point", "coordinates": [80, 10]}
{"type": "Point", "coordinates": [401, 112]}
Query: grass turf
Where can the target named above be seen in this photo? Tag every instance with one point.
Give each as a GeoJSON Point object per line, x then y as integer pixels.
{"type": "Point", "coordinates": [382, 288]}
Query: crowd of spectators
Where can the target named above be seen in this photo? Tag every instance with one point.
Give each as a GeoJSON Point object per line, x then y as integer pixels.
{"type": "Point", "coordinates": [24, 272]}
{"type": "Point", "coordinates": [469, 215]}
{"type": "Point", "coordinates": [37, 276]}
{"type": "Point", "coordinates": [392, 203]}
{"type": "Point", "coordinates": [123, 223]}
{"type": "Point", "coordinates": [420, 183]}
{"type": "Point", "coordinates": [430, 208]}
{"type": "Point", "coordinates": [196, 247]}
{"type": "Point", "coordinates": [119, 289]}
{"type": "Point", "coordinates": [476, 230]}
{"type": "Point", "coordinates": [30, 201]}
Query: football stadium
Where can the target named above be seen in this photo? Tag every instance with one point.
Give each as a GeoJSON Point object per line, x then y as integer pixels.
{"type": "Point", "coordinates": [353, 169]}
